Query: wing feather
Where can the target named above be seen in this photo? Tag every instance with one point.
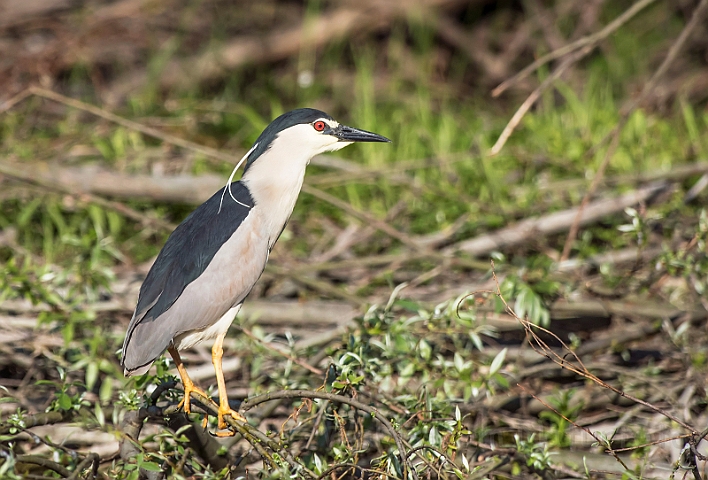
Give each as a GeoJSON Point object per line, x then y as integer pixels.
{"type": "Point", "coordinates": [185, 257]}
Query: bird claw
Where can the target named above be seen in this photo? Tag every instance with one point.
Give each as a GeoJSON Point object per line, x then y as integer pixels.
{"type": "Point", "coordinates": [186, 403]}
{"type": "Point", "coordinates": [223, 428]}
{"type": "Point", "coordinates": [221, 423]}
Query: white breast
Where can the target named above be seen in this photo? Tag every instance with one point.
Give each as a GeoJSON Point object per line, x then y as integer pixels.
{"type": "Point", "coordinates": [194, 337]}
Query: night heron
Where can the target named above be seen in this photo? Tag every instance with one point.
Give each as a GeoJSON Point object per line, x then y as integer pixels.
{"type": "Point", "coordinates": [212, 260]}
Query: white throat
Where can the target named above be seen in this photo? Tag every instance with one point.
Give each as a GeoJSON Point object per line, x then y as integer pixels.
{"type": "Point", "coordinates": [275, 178]}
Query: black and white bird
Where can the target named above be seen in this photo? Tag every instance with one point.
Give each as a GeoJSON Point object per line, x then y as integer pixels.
{"type": "Point", "coordinates": [212, 260]}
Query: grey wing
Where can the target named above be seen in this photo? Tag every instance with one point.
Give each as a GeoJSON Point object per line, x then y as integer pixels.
{"type": "Point", "coordinates": [224, 283]}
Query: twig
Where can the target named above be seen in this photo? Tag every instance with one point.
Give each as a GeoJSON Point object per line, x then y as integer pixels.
{"type": "Point", "coordinates": [698, 15]}
{"type": "Point", "coordinates": [91, 459]}
{"type": "Point", "coordinates": [540, 346]}
{"type": "Point", "coordinates": [365, 217]}
{"type": "Point", "coordinates": [375, 413]}
{"type": "Point", "coordinates": [576, 425]}
{"type": "Point", "coordinates": [531, 99]}
{"type": "Point", "coordinates": [44, 463]}
{"type": "Point", "coordinates": [149, 131]}
{"type": "Point", "coordinates": [200, 441]}
{"type": "Point", "coordinates": [590, 40]}
{"type": "Point", "coordinates": [4, 107]}
{"type": "Point", "coordinates": [256, 438]}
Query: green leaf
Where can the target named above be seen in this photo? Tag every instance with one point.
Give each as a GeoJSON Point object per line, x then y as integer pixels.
{"type": "Point", "coordinates": [64, 401]}
{"type": "Point", "coordinates": [497, 362]}
{"type": "Point", "coordinates": [91, 375]}
{"type": "Point", "coordinates": [151, 466]}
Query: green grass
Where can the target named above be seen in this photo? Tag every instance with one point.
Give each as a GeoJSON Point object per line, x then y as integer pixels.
{"type": "Point", "coordinates": [68, 249]}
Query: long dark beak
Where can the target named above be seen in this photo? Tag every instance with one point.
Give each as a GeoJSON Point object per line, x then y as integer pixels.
{"type": "Point", "coordinates": [349, 134]}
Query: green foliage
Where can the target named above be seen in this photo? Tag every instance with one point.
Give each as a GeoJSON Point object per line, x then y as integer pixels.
{"type": "Point", "coordinates": [427, 362]}
{"type": "Point", "coordinates": [430, 348]}
{"type": "Point", "coordinates": [565, 410]}
{"type": "Point", "coordinates": [536, 453]}
{"type": "Point", "coordinates": [64, 400]}
{"type": "Point", "coordinates": [529, 289]}
{"type": "Point", "coordinates": [690, 261]}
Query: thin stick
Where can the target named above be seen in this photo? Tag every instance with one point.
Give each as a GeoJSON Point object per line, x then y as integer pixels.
{"type": "Point", "coordinates": [149, 131]}
{"type": "Point", "coordinates": [15, 100]}
{"type": "Point", "coordinates": [365, 217]}
{"type": "Point", "coordinates": [589, 40]}
{"type": "Point", "coordinates": [609, 450]}
{"type": "Point", "coordinates": [374, 412]}
{"type": "Point", "coordinates": [531, 99]}
{"type": "Point", "coordinates": [542, 348]}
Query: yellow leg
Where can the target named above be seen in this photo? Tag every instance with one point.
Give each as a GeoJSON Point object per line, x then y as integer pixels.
{"type": "Point", "coordinates": [187, 383]}
{"type": "Point", "coordinates": [217, 352]}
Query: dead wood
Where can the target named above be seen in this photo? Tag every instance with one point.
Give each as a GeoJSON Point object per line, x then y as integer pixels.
{"type": "Point", "coordinates": [318, 313]}
{"type": "Point", "coordinates": [552, 223]}
{"type": "Point", "coordinates": [28, 174]}
{"type": "Point", "coordinates": [99, 181]}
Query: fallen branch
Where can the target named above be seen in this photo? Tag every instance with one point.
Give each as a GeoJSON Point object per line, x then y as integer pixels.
{"type": "Point", "coordinates": [552, 223]}
{"type": "Point", "coordinates": [51, 184]}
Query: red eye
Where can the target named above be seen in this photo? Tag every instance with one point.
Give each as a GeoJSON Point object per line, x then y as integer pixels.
{"type": "Point", "coordinates": [319, 125]}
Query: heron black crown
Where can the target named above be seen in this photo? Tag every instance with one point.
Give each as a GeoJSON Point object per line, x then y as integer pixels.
{"type": "Point", "coordinates": [289, 119]}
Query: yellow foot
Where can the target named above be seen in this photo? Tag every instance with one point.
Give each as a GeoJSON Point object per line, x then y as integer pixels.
{"type": "Point", "coordinates": [221, 423]}
{"type": "Point", "coordinates": [186, 403]}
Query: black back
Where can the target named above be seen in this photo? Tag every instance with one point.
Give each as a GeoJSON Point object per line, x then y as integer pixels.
{"type": "Point", "coordinates": [286, 120]}
{"type": "Point", "coordinates": [189, 250]}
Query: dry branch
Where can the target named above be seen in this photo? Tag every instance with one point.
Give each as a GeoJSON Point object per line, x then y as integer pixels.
{"type": "Point", "coordinates": [552, 223]}
{"type": "Point", "coordinates": [99, 181]}
{"type": "Point", "coordinates": [30, 176]}
{"type": "Point", "coordinates": [590, 40]}
{"type": "Point", "coordinates": [535, 95]}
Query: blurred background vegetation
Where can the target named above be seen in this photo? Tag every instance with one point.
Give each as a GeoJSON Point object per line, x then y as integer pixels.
{"type": "Point", "coordinates": [118, 117]}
